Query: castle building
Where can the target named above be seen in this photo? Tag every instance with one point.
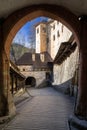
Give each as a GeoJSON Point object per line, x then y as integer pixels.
{"type": "Point", "coordinates": [49, 36]}
{"type": "Point", "coordinates": [37, 66]}
{"type": "Point", "coordinates": [60, 44]}
{"type": "Point", "coordinates": [58, 34]}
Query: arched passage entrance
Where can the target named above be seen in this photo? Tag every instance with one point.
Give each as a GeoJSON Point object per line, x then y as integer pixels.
{"type": "Point", "coordinates": [31, 81]}
{"type": "Point", "coordinates": [15, 21]}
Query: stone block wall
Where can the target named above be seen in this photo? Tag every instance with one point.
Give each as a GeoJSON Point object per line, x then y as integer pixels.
{"type": "Point", "coordinates": [38, 75]}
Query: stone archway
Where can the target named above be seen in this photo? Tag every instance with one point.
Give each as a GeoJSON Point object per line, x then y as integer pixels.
{"type": "Point", "coordinates": [31, 81]}
{"type": "Point", "coordinates": [16, 20]}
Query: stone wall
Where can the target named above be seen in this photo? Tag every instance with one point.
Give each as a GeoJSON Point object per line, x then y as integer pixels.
{"type": "Point", "coordinates": [64, 73]}
{"type": "Point", "coordinates": [40, 76]}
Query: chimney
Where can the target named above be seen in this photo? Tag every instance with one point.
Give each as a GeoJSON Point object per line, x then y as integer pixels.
{"type": "Point", "coordinates": [33, 57]}
{"type": "Point", "coordinates": [42, 57]}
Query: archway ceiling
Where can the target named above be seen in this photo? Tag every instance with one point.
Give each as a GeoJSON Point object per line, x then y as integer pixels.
{"type": "Point", "coordinates": [78, 7]}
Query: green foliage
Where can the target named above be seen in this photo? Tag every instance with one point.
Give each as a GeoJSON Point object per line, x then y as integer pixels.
{"type": "Point", "coordinates": [18, 50]}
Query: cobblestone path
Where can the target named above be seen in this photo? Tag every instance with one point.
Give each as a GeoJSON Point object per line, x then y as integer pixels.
{"type": "Point", "coordinates": [46, 110]}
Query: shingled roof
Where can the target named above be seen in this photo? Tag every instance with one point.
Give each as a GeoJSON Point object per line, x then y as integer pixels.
{"type": "Point", "coordinates": [26, 59]}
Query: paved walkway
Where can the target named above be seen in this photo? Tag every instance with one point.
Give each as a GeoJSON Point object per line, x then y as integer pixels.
{"type": "Point", "coordinates": [46, 110]}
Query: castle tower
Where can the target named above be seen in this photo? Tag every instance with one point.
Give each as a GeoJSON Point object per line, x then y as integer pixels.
{"type": "Point", "coordinates": [41, 37]}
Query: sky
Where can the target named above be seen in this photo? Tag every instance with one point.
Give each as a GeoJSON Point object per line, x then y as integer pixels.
{"type": "Point", "coordinates": [23, 35]}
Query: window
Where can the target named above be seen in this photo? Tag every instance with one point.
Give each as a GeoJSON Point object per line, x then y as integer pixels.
{"type": "Point", "coordinates": [53, 37]}
{"type": "Point", "coordinates": [57, 22]}
{"type": "Point", "coordinates": [53, 26]}
{"type": "Point", "coordinates": [37, 30]}
{"type": "Point", "coordinates": [23, 69]}
{"type": "Point", "coordinates": [47, 39]}
{"type": "Point", "coordinates": [58, 34]}
{"type": "Point", "coordinates": [62, 28]}
{"type": "Point", "coordinates": [44, 29]}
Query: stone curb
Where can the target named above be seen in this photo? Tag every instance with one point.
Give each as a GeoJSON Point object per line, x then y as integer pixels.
{"type": "Point", "coordinates": [77, 124]}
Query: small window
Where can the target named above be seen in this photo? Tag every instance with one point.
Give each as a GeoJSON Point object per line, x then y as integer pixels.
{"type": "Point", "coordinates": [53, 26]}
{"type": "Point", "coordinates": [62, 28]}
{"type": "Point", "coordinates": [58, 34]}
{"type": "Point", "coordinates": [23, 69]}
{"type": "Point", "coordinates": [44, 29]}
{"type": "Point", "coordinates": [47, 39]}
{"type": "Point", "coordinates": [37, 30]}
{"type": "Point", "coordinates": [53, 37]}
{"type": "Point", "coordinates": [57, 22]}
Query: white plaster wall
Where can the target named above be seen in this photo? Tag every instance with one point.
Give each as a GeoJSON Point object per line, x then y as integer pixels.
{"type": "Point", "coordinates": [64, 35]}
{"type": "Point", "coordinates": [38, 40]}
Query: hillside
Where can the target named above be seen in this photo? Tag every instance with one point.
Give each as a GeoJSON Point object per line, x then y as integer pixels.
{"type": "Point", "coordinates": [18, 50]}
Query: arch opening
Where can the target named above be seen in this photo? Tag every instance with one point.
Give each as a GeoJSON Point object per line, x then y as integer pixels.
{"type": "Point", "coordinates": [51, 11]}
{"type": "Point", "coordinates": [15, 21]}
{"type": "Point", "coordinates": [31, 81]}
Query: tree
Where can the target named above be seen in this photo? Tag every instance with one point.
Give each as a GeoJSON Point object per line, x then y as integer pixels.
{"type": "Point", "coordinates": [32, 37]}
